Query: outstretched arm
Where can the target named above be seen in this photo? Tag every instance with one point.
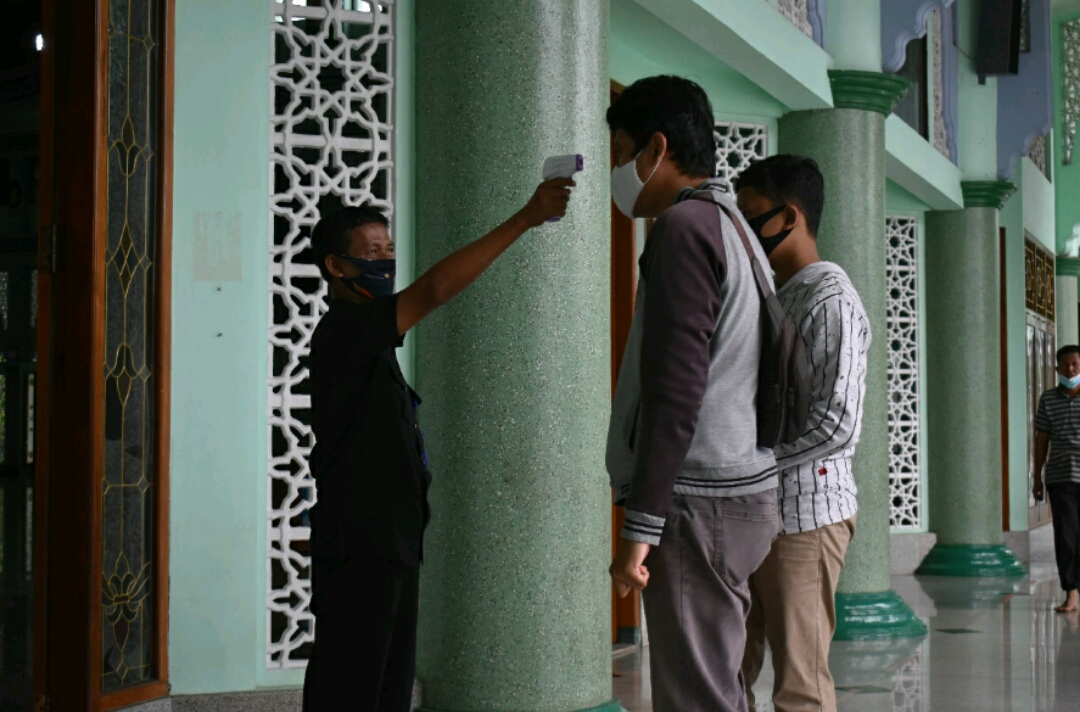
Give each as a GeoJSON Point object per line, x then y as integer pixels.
{"type": "Point", "coordinates": [455, 272]}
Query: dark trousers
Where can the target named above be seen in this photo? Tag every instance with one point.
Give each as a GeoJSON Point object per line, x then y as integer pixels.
{"type": "Point", "coordinates": [1065, 506]}
{"type": "Point", "coordinates": [365, 635]}
{"type": "Point", "coordinates": [698, 598]}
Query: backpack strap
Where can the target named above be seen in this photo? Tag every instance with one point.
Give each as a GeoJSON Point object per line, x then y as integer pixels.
{"type": "Point", "coordinates": [759, 273]}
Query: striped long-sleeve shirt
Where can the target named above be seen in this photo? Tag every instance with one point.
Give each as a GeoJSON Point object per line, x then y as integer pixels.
{"type": "Point", "coordinates": [817, 486]}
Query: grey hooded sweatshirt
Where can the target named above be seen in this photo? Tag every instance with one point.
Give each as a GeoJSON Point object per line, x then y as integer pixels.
{"type": "Point", "coordinates": [683, 417]}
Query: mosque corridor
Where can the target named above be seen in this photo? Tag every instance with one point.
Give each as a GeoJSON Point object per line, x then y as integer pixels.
{"type": "Point", "coordinates": [995, 645]}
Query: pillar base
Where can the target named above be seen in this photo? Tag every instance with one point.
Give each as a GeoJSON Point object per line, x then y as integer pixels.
{"type": "Point", "coordinates": [995, 560]}
{"type": "Point", "coordinates": [612, 706]}
{"type": "Point", "coordinates": [875, 616]}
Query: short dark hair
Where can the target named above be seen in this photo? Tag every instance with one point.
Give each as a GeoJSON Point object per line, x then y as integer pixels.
{"type": "Point", "coordinates": [331, 233]}
{"type": "Point", "coordinates": [1066, 350]}
{"type": "Point", "coordinates": [677, 108]}
{"type": "Point", "coordinates": [788, 179]}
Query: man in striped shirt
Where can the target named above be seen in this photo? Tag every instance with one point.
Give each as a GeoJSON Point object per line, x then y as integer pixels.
{"type": "Point", "coordinates": [793, 591]}
{"type": "Point", "coordinates": [1057, 428]}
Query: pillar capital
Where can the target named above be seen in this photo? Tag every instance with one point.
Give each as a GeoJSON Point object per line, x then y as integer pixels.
{"type": "Point", "coordinates": [1067, 266]}
{"type": "Point", "coordinates": [986, 193]}
{"type": "Point", "coordinates": [868, 91]}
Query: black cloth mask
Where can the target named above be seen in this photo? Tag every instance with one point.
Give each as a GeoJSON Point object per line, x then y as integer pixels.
{"type": "Point", "coordinates": [768, 244]}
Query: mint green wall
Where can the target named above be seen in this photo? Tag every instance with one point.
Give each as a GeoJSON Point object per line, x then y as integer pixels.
{"type": "Point", "coordinates": [219, 362]}
{"type": "Point", "coordinates": [219, 391]}
{"type": "Point", "coordinates": [405, 164]}
{"type": "Point", "coordinates": [900, 202]}
{"type": "Point", "coordinates": [1038, 197]}
{"type": "Point", "coordinates": [977, 136]}
{"type": "Point", "coordinates": [853, 34]}
{"type": "Point", "coordinates": [1012, 219]}
{"type": "Point", "coordinates": [1066, 178]}
{"type": "Point", "coordinates": [642, 45]}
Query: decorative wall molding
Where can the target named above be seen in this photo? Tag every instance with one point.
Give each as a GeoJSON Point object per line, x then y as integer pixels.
{"type": "Point", "coordinates": [938, 132]}
{"type": "Point", "coordinates": [902, 325]}
{"type": "Point", "coordinates": [1070, 53]}
{"type": "Point", "coordinates": [1024, 101]}
{"type": "Point", "coordinates": [808, 16]}
{"type": "Point", "coordinates": [332, 139]}
{"type": "Point", "coordinates": [867, 91]}
{"type": "Point", "coordinates": [1037, 154]}
{"type": "Point", "coordinates": [950, 80]}
{"type": "Point", "coordinates": [986, 193]}
{"type": "Point", "coordinates": [901, 22]}
{"type": "Point", "coordinates": [738, 146]}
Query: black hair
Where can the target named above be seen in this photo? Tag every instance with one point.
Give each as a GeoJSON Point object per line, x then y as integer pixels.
{"type": "Point", "coordinates": [677, 108]}
{"type": "Point", "coordinates": [788, 179]}
{"type": "Point", "coordinates": [331, 233]}
{"type": "Point", "coordinates": [1066, 350]}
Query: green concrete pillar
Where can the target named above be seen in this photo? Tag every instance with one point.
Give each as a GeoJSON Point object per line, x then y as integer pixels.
{"type": "Point", "coordinates": [1065, 311]}
{"type": "Point", "coordinates": [515, 597]}
{"type": "Point", "coordinates": [963, 332]}
{"type": "Point", "coordinates": [849, 145]}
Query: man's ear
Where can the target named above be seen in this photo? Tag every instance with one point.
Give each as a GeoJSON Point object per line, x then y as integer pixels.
{"type": "Point", "coordinates": [792, 215]}
{"type": "Point", "coordinates": [332, 266]}
{"type": "Point", "coordinates": [657, 148]}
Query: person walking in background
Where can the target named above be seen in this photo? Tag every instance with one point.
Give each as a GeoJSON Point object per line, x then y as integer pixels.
{"type": "Point", "coordinates": [1057, 430]}
{"type": "Point", "coordinates": [793, 592]}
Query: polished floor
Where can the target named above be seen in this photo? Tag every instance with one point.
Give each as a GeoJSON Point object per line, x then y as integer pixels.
{"type": "Point", "coordinates": [994, 646]}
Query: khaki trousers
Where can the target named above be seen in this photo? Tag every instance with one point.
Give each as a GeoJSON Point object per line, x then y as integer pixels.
{"type": "Point", "coordinates": [793, 605]}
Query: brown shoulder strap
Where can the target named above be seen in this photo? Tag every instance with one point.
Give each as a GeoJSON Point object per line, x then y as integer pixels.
{"type": "Point", "coordinates": [759, 273]}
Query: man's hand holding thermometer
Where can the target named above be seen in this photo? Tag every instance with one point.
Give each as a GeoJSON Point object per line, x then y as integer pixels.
{"type": "Point", "coordinates": [563, 167]}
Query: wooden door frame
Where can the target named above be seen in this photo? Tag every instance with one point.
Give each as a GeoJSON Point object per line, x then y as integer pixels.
{"type": "Point", "coordinates": [626, 612]}
{"type": "Point", "coordinates": [70, 351]}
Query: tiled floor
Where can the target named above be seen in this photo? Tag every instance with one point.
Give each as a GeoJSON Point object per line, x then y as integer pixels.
{"type": "Point", "coordinates": [994, 646]}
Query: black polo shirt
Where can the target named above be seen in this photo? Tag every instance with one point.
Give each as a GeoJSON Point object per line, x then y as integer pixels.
{"type": "Point", "coordinates": [368, 459]}
{"type": "Point", "coordinates": [1059, 416]}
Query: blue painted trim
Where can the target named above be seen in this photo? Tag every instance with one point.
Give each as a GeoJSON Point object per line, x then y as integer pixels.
{"type": "Point", "coordinates": [1025, 109]}
{"type": "Point", "coordinates": [901, 22]}
{"type": "Point", "coordinates": [950, 80]}
{"type": "Point", "coordinates": [816, 10]}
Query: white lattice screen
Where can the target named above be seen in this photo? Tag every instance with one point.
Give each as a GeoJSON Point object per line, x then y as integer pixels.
{"type": "Point", "coordinates": [902, 307]}
{"type": "Point", "coordinates": [737, 146]}
{"type": "Point", "coordinates": [332, 135]}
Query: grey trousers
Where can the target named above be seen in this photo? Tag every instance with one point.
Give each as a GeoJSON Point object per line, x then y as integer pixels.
{"type": "Point", "coordinates": [698, 598]}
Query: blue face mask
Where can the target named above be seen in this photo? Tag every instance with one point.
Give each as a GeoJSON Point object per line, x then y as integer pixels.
{"type": "Point", "coordinates": [1069, 383]}
{"type": "Point", "coordinates": [376, 278]}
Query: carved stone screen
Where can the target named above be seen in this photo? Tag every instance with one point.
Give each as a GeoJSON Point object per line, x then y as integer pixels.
{"type": "Point", "coordinates": [902, 308]}
{"type": "Point", "coordinates": [737, 146]}
{"type": "Point", "coordinates": [133, 145]}
{"type": "Point", "coordinates": [1070, 71]}
{"type": "Point", "coordinates": [798, 12]}
{"type": "Point", "coordinates": [332, 136]}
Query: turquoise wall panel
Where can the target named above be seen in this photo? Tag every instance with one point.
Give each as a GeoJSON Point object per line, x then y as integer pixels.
{"type": "Point", "coordinates": [219, 361]}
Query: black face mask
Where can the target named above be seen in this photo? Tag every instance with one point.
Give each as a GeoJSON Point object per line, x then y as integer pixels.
{"type": "Point", "coordinates": [376, 278]}
{"type": "Point", "coordinates": [768, 244]}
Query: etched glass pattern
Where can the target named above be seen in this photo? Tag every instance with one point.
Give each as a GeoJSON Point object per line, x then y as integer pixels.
{"type": "Point", "coordinates": [1070, 35]}
{"type": "Point", "coordinates": [1038, 280]}
{"type": "Point", "coordinates": [737, 146]}
{"type": "Point", "coordinates": [798, 11]}
{"type": "Point", "coordinates": [332, 136]}
{"type": "Point", "coordinates": [902, 309]}
{"type": "Point", "coordinates": [941, 133]}
{"type": "Point", "coordinates": [132, 143]}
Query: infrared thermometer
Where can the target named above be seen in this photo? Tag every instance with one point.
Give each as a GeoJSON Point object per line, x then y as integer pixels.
{"type": "Point", "coordinates": [563, 167]}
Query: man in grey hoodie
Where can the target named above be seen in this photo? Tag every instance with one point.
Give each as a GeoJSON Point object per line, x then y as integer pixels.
{"type": "Point", "coordinates": [700, 495]}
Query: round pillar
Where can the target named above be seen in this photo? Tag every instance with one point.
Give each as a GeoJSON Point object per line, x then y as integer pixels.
{"type": "Point", "coordinates": [515, 606]}
{"type": "Point", "coordinates": [1065, 309]}
{"type": "Point", "coordinates": [963, 330]}
{"type": "Point", "coordinates": [849, 145]}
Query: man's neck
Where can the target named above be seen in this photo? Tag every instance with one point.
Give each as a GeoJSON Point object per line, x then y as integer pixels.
{"type": "Point", "coordinates": [668, 193]}
{"type": "Point", "coordinates": [800, 254]}
{"type": "Point", "coordinates": [1072, 393]}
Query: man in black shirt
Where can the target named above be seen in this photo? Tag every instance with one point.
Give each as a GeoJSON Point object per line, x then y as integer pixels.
{"type": "Point", "coordinates": [369, 462]}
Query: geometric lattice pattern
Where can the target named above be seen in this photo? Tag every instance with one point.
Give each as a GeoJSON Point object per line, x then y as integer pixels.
{"type": "Point", "coordinates": [127, 487]}
{"type": "Point", "coordinates": [908, 689]}
{"type": "Point", "coordinates": [1038, 280]}
{"type": "Point", "coordinates": [1037, 154]}
{"type": "Point", "coordinates": [941, 134]}
{"type": "Point", "coordinates": [798, 12]}
{"type": "Point", "coordinates": [902, 308]}
{"type": "Point", "coordinates": [1070, 51]}
{"type": "Point", "coordinates": [332, 137]}
{"type": "Point", "coordinates": [738, 146]}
